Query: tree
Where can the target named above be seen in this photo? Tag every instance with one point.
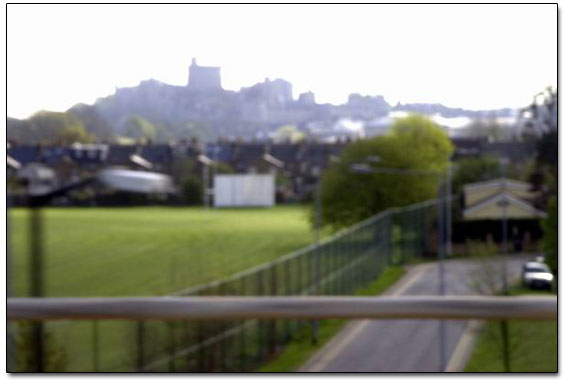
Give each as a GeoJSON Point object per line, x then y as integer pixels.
{"type": "Point", "coordinates": [289, 133]}
{"type": "Point", "coordinates": [550, 235]}
{"type": "Point", "coordinates": [74, 133]}
{"type": "Point", "coordinates": [488, 128]}
{"type": "Point", "coordinates": [544, 175]}
{"type": "Point", "coordinates": [414, 142]}
{"type": "Point", "coordinates": [475, 169]}
{"type": "Point", "coordinates": [94, 123]}
{"type": "Point", "coordinates": [138, 128]}
{"type": "Point", "coordinates": [191, 191]}
{"type": "Point", "coordinates": [541, 116]}
{"type": "Point", "coordinates": [542, 126]}
{"type": "Point", "coordinates": [222, 168]}
{"type": "Point", "coordinates": [49, 127]}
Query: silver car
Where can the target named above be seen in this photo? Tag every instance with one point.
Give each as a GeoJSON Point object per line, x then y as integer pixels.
{"type": "Point", "coordinates": [537, 275]}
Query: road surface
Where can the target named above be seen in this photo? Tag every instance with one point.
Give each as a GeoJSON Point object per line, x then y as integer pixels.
{"type": "Point", "coordinates": [412, 345]}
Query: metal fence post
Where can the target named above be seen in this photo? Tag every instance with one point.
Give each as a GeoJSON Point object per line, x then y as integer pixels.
{"type": "Point", "coordinates": [260, 332]}
{"type": "Point", "coordinates": [140, 353]}
{"type": "Point", "coordinates": [95, 346]}
{"type": "Point", "coordinates": [273, 324]}
{"type": "Point", "coordinates": [223, 327]}
{"type": "Point", "coordinates": [242, 346]}
{"type": "Point", "coordinates": [37, 281]}
{"type": "Point", "coordinates": [186, 340]}
{"type": "Point", "coordinates": [200, 339]}
{"type": "Point", "coordinates": [287, 291]}
{"type": "Point", "coordinates": [172, 348]}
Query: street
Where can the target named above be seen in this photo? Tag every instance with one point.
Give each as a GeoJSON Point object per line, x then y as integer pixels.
{"type": "Point", "coordinates": [408, 345]}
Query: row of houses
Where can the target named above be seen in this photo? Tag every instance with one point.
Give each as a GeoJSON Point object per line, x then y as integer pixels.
{"type": "Point", "coordinates": [300, 164]}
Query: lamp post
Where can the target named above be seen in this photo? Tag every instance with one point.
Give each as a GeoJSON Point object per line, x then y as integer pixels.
{"type": "Point", "coordinates": [448, 221]}
{"type": "Point", "coordinates": [119, 179]}
{"type": "Point", "coordinates": [444, 231]}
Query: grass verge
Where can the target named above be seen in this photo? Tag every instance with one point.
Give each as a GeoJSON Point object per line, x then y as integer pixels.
{"type": "Point", "coordinates": [300, 349]}
{"type": "Point", "coordinates": [533, 345]}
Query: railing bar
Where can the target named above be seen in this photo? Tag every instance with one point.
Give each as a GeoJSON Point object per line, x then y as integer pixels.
{"type": "Point", "coordinates": [299, 307]}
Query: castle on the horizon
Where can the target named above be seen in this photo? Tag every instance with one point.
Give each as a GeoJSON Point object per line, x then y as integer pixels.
{"type": "Point", "coordinates": [204, 78]}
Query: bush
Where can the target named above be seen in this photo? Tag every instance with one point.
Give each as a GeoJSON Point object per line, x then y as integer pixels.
{"type": "Point", "coordinates": [54, 356]}
{"type": "Point", "coordinates": [191, 191]}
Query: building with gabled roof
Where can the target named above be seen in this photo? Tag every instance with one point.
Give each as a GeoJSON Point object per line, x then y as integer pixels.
{"type": "Point", "coordinates": [488, 203]}
{"type": "Point", "coordinates": [492, 208]}
{"type": "Point", "coordinates": [479, 191]}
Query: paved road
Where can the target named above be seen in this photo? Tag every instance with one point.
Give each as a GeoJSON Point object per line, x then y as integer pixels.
{"type": "Point", "coordinates": [407, 345]}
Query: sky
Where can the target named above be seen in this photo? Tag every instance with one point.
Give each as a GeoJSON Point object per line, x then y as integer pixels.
{"type": "Point", "coordinates": [468, 56]}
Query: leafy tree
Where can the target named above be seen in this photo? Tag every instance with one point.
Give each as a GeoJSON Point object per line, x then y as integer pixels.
{"type": "Point", "coordinates": [138, 128]}
{"type": "Point", "coordinates": [223, 168]}
{"type": "Point", "coordinates": [74, 133]}
{"type": "Point", "coordinates": [474, 169]}
{"type": "Point", "coordinates": [289, 133]}
{"type": "Point", "coordinates": [550, 238]}
{"type": "Point", "coordinates": [191, 191]}
{"type": "Point", "coordinates": [541, 114]}
{"type": "Point", "coordinates": [49, 127]}
{"type": "Point", "coordinates": [487, 128]}
{"type": "Point", "coordinates": [414, 142]}
{"type": "Point", "coordinates": [543, 126]}
{"type": "Point", "coordinates": [544, 175]}
{"type": "Point", "coordinates": [94, 123]}
{"type": "Point", "coordinates": [201, 130]}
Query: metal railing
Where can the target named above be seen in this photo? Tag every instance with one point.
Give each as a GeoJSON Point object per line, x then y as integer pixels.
{"type": "Point", "coordinates": [311, 307]}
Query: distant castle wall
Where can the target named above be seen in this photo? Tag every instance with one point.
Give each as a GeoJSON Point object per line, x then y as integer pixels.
{"type": "Point", "coordinates": [202, 78]}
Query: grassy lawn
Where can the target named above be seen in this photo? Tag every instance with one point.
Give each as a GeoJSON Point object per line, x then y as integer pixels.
{"type": "Point", "coordinates": [300, 349]}
{"type": "Point", "coordinates": [146, 251]}
{"type": "Point", "coordinates": [533, 346]}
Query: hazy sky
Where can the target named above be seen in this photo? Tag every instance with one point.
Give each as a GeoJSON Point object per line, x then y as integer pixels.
{"type": "Point", "coordinates": [470, 56]}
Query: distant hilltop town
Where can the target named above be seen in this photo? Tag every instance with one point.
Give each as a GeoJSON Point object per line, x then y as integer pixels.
{"type": "Point", "coordinates": [203, 109]}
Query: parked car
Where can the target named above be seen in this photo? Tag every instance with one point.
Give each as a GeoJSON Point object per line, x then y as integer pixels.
{"type": "Point", "coordinates": [537, 275]}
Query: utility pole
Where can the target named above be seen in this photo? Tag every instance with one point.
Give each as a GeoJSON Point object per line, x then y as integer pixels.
{"type": "Point", "coordinates": [449, 209]}
{"type": "Point", "coordinates": [504, 323]}
{"type": "Point", "coordinates": [318, 200]}
{"type": "Point", "coordinates": [441, 224]}
{"type": "Point", "coordinates": [504, 228]}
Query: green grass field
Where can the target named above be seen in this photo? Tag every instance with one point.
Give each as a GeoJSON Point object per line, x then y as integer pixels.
{"type": "Point", "coordinates": [143, 251]}
{"type": "Point", "coordinates": [146, 251]}
{"type": "Point", "coordinates": [533, 345]}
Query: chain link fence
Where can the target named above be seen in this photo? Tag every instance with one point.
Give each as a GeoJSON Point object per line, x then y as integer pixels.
{"type": "Point", "coordinates": [338, 265]}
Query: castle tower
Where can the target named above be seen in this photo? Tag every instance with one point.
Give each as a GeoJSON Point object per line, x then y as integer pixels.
{"type": "Point", "coordinates": [204, 78]}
